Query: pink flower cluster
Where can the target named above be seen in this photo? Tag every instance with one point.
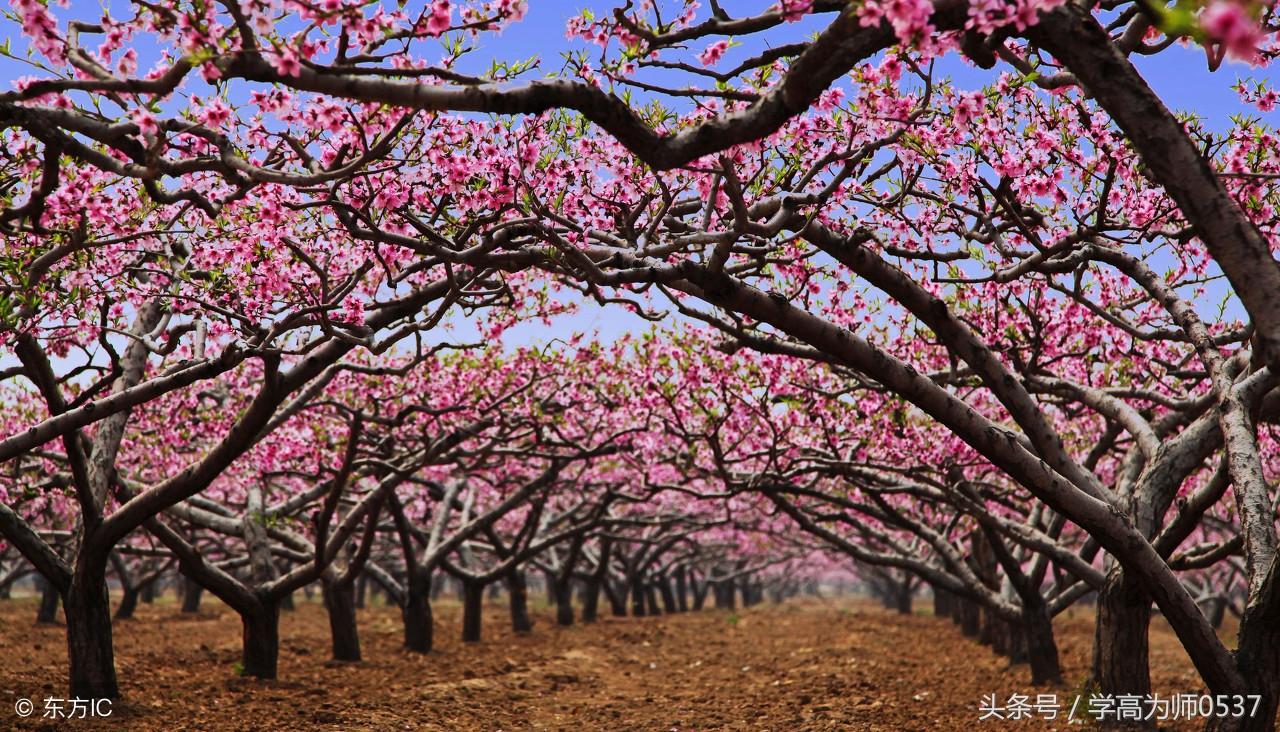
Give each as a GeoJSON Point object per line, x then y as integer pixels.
{"type": "Point", "coordinates": [41, 28]}
{"type": "Point", "coordinates": [713, 53]}
{"type": "Point", "coordinates": [441, 17]}
{"type": "Point", "coordinates": [1230, 26]}
{"type": "Point", "coordinates": [987, 16]}
{"type": "Point", "coordinates": [793, 10]}
{"type": "Point", "coordinates": [908, 18]}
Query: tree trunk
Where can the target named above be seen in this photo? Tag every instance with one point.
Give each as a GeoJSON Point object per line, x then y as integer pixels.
{"type": "Point", "coordinates": [549, 584]}
{"type": "Point", "coordinates": [437, 586]}
{"type": "Point", "coordinates": [1215, 609]}
{"type": "Point", "coordinates": [956, 608]}
{"type": "Point", "coordinates": [1039, 646]}
{"type": "Point", "coordinates": [260, 641]}
{"type": "Point", "coordinates": [564, 602]}
{"type": "Point", "coordinates": [416, 612]}
{"type": "Point", "coordinates": [637, 597]}
{"type": "Point", "coordinates": [725, 597]}
{"type": "Point", "coordinates": [362, 590]}
{"type": "Point", "coordinates": [700, 590]}
{"type": "Point", "coordinates": [902, 598]}
{"type": "Point", "coordinates": [191, 593]}
{"type": "Point", "coordinates": [128, 603]}
{"type": "Point", "coordinates": [1120, 639]}
{"type": "Point", "coordinates": [970, 617]}
{"type": "Point", "coordinates": [1258, 660]}
{"type": "Point", "coordinates": [147, 592]}
{"type": "Point", "coordinates": [682, 591]}
{"type": "Point", "coordinates": [472, 604]}
{"type": "Point", "coordinates": [994, 632]}
{"type": "Point", "coordinates": [49, 599]}
{"type": "Point", "coordinates": [518, 590]}
{"type": "Point", "coordinates": [941, 603]}
{"type": "Point", "coordinates": [651, 599]}
{"type": "Point", "coordinates": [340, 602]}
{"type": "Point", "coordinates": [1006, 638]}
{"type": "Point", "coordinates": [590, 599]}
{"type": "Point", "coordinates": [89, 650]}
{"type": "Point", "coordinates": [668, 597]}
{"type": "Point", "coordinates": [617, 598]}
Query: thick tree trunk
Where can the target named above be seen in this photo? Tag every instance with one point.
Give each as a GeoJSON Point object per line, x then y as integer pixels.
{"type": "Point", "coordinates": [260, 641]}
{"type": "Point", "coordinates": [47, 614]}
{"type": "Point", "coordinates": [956, 608]}
{"type": "Point", "coordinates": [970, 617]}
{"type": "Point", "coordinates": [362, 590]}
{"type": "Point", "coordinates": [941, 603]}
{"type": "Point", "coordinates": [89, 650]}
{"type": "Point", "coordinates": [682, 591]}
{"type": "Point", "coordinates": [651, 599]}
{"type": "Point", "coordinates": [989, 633]}
{"type": "Point", "coordinates": [549, 584]}
{"type": "Point", "coordinates": [286, 602]}
{"type": "Point", "coordinates": [438, 585]}
{"type": "Point", "coordinates": [725, 597]}
{"type": "Point", "coordinates": [637, 597]}
{"type": "Point", "coordinates": [700, 590]}
{"type": "Point", "coordinates": [1215, 609]}
{"type": "Point", "coordinates": [1016, 644]}
{"type": "Point", "coordinates": [472, 604]}
{"type": "Point", "coordinates": [1120, 639]}
{"type": "Point", "coordinates": [128, 603]}
{"type": "Point", "coordinates": [617, 597]}
{"type": "Point", "coordinates": [147, 592]}
{"type": "Point", "coordinates": [902, 598]}
{"type": "Point", "coordinates": [668, 597]}
{"type": "Point", "coordinates": [590, 599]}
{"type": "Point", "coordinates": [518, 590]}
{"type": "Point", "coordinates": [1039, 646]}
{"type": "Point", "coordinates": [564, 603]}
{"type": "Point", "coordinates": [1258, 660]}
{"type": "Point", "coordinates": [340, 602]}
{"type": "Point", "coordinates": [191, 593]}
{"type": "Point", "coordinates": [1007, 639]}
{"type": "Point", "coordinates": [416, 613]}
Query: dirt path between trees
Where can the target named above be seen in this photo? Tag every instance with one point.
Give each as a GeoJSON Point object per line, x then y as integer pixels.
{"type": "Point", "coordinates": [805, 665]}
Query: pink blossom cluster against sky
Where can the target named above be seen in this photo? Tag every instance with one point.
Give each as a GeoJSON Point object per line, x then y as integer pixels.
{"type": "Point", "coordinates": [551, 33]}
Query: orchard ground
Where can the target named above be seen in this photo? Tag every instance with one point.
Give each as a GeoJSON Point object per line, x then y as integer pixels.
{"type": "Point", "coordinates": [808, 664]}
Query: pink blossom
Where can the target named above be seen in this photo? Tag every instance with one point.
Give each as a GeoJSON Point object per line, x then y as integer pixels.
{"type": "Point", "coordinates": [713, 53]}
{"type": "Point", "coordinates": [793, 10]}
{"type": "Point", "coordinates": [1229, 25]}
{"type": "Point", "coordinates": [908, 18]}
{"type": "Point", "coordinates": [145, 121]}
{"type": "Point", "coordinates": [286, 62]}
{"type": "Point", "coordinates": [41, 28]}
{"type": "Point", "coordinates": [128, 62]}
{"type": "Point", "coordinates": [440, 18]}
{"type": "Point", "coordinates": [216, 114]}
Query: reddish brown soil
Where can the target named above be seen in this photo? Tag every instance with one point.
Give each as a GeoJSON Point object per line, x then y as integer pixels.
{"type": "Point", "coordinates": [805, 665]}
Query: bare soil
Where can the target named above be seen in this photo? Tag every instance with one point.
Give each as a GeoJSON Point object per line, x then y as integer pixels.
{"type": "Point", "coordinates": [809, 664]}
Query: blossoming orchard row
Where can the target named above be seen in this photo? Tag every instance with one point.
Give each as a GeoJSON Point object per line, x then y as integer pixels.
{"type": "Point", "coordinates": [1018, 340]}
